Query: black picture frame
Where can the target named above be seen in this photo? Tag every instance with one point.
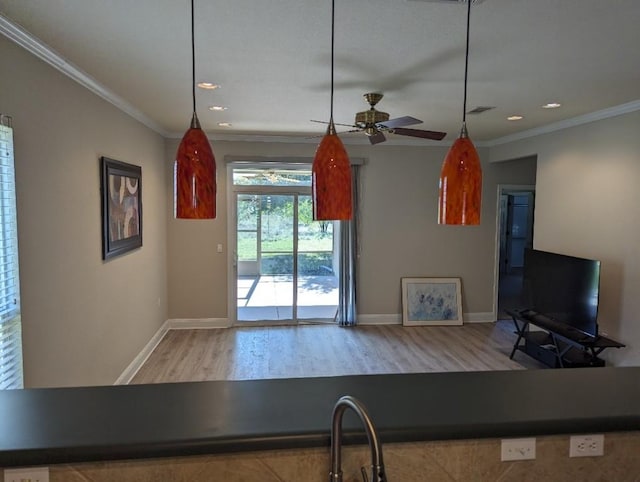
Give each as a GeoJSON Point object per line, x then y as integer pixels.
{"type": "Point", "coordinates": [121, 194]}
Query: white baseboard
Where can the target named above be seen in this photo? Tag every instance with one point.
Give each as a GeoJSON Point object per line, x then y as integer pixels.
{"type": "Point", "coordinates": [396, 319]}
{"type": "Point", "coordinates": [479, 317]}
{"type": "Point", "coordinates": [389, 319]}
{"type": "Point", "coordinates": [197, 323]}
{"type": "Point", "coordinates": [138, 361]}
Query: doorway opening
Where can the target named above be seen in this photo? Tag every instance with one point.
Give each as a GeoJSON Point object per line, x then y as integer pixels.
{"type": "Point", "coordinates": [285, 264]}
{"type": "Point", "coordinates": [515, 234]}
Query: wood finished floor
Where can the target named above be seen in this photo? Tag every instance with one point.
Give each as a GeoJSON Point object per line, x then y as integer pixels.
{"type": "Point", "coordinates": [246, 353]}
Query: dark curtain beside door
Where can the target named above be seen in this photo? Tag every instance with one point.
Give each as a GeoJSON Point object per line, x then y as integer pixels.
{"type": "Point", "coordinates": [348, 258]}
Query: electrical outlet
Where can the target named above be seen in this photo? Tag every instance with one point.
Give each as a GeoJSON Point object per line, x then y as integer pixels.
{"type": "Point", "coordinates": [518, 449]}
{"type": "Point", "coordinates": [586, 445]}
{"type": "Point", "coordinates": [37, 474]}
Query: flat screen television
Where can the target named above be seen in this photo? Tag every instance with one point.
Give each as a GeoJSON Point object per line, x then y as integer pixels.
{"type": "Point", "coordinates": [563, 288]}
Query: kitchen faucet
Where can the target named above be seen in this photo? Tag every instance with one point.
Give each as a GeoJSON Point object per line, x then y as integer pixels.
{"type": "Point", "coordinates": [377, 466]}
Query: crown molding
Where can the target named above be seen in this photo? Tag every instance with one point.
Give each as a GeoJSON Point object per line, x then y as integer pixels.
{"type": "Point", "coordinates": [37, 47]}
{"type": "Point", "coordinates": [567, 123]}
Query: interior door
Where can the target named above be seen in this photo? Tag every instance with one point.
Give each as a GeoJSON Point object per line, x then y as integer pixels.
{"type": "Point", "coordinates": [519, 229]}
{"type": "Point", "coordinates": [516, 234]}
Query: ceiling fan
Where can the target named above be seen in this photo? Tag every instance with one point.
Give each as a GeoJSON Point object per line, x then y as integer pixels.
{"type": "Point", "coordinates": [375, 123]}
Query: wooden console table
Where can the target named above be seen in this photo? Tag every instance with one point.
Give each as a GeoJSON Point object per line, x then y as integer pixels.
{"type": "Point", "coordinates": [557, 345]}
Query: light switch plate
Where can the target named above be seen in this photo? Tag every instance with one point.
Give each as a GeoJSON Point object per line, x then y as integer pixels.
{"type": "Point", "coordinates": [518, 449]}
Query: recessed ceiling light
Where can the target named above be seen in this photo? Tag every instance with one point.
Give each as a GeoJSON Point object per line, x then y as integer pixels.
{"type": "Point", "coordinates": [515, 117]}
{"type": "Point", "coordinates": [208, 85]}
{"type": "Point", "coordinates": [217, 107]}
{"type": "Point", "coordinates": [224, 124]}
{"type": "Point", "coordinates": [551, 105]}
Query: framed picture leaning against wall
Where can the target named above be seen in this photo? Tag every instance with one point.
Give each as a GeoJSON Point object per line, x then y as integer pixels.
{"type": "Point", "coordinates": [431, 301]}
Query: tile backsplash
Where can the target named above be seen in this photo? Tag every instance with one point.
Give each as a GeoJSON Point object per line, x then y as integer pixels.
{"type": "Point", "coordinates": [440, 461]}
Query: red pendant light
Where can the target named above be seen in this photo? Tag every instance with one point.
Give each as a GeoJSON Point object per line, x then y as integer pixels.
{"type": "Point", "coordinates": [195, 165]}
{"type": "Point", "coordinates": [331, 171]}
{"type": "Point", "coordinates": [460, 195]}
{"type": "Point", "coordinates": [331, 179]}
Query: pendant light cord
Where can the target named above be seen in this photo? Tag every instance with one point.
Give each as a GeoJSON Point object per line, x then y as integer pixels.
{"type": "Point", "coordinates": [466, 65]}
{"type": "Point", "coordinates": [193, 61]}
{"type": "Point", "coordinates": [333, 17]}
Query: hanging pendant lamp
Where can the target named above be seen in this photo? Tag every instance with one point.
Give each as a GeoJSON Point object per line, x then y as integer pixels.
{"type": "Point", "coordinates": [331, 171]}
{"type": "Point", "coordinates": [460, 195]}
{"type": "Point", "coordinates": [195, 165]}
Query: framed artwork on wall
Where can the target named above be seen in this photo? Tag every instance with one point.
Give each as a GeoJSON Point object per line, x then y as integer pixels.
{"type": "Point", "coordinates": [431, 301]}
{"type": "Point", "coordinates": [121, 190]}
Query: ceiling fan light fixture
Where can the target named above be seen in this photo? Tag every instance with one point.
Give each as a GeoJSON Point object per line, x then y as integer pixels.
{"type": "Point", "coordinates": [195, 164]}
{"type": "Point", "coordinates": [460, 189]}
{"type": "Point", "coordinates": [370, 131]}
{"type": "Point", "coordinates": [331, 170]}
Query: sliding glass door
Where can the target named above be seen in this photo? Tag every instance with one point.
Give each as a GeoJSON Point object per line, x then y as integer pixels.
{"type": "Point", "coordinates": [285, 268]}
{"type": "Point", "coordinates": [317, 281]}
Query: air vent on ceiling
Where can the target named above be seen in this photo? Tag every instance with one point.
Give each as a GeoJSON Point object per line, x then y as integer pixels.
{"type": "Point", "coordinates": [480, 109]}
{"type": "Point", "coordinates": [474, 2]}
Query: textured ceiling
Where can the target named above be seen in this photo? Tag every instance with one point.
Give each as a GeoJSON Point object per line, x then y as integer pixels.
{"type": "Point", "coordinates": [272, 59]}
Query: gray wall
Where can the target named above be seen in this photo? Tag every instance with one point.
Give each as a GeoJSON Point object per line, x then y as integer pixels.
{"type": "Point", "coordinates": [588, 205]}
{"type": "Point", "coordinates": [400, 234]}
{"type": "Point", "coordinates": [83, 320]}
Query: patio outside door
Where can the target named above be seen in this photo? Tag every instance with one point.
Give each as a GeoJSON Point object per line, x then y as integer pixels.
{"type": "Point", "coordinates": [285, 264]}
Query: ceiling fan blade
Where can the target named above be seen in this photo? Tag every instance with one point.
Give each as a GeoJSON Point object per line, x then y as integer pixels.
{"type": "Point", "coordinates": [399, 121]}
{"type": "Point", "coordinates": [434, 135]}
{"type": "Point", "coordinates": [377, 138]}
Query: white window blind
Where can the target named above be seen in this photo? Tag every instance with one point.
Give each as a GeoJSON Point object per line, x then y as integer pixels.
{"type": "Point", "coordinates": [10, 327]}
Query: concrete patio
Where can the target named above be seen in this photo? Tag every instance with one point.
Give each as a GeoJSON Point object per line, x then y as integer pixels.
{"type": "Point", "coordinates": [270, 298]}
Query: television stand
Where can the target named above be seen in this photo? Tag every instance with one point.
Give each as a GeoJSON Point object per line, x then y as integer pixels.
{"type": "Point", "coordinates": [557, 345]}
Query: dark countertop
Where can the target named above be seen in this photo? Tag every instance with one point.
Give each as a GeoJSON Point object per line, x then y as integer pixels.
{"type": "Point", "coordinates": [61, 425]}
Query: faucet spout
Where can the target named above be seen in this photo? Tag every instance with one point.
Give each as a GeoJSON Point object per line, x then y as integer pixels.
{"type": "Point", "coordinates": [377, 465]}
